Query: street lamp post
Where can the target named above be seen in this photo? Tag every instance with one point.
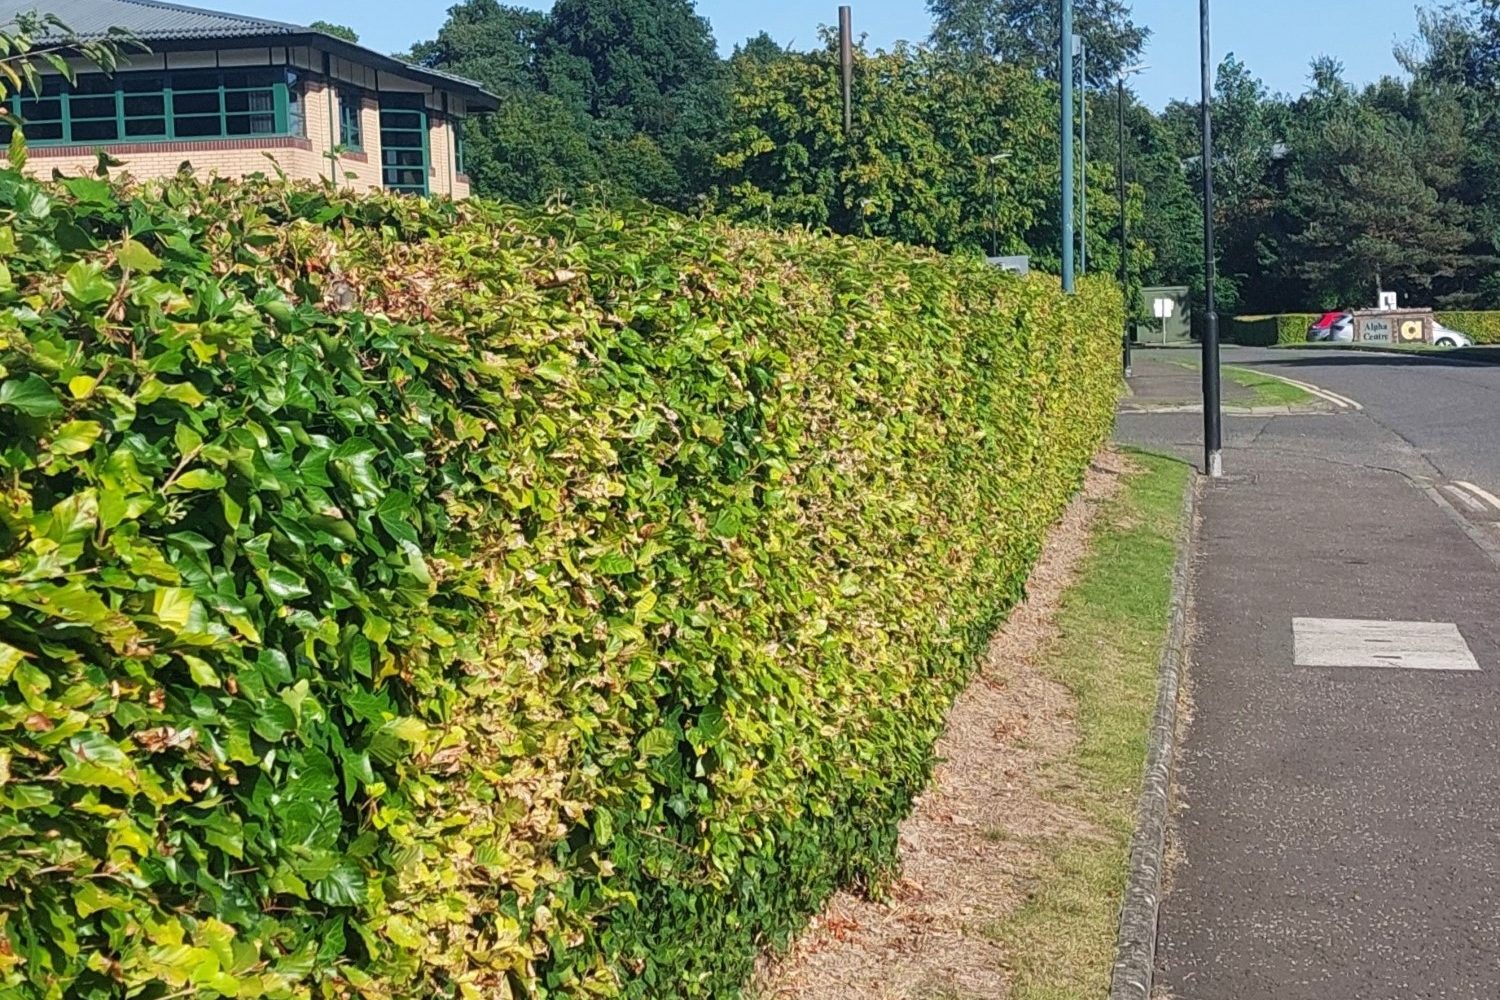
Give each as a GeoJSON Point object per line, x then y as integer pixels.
{"type": "Point", "coordinates": [1213, 444]}
{"type": "Point", "coordinates": [1125, 289]}
{"type": "Point", "coordinates": [1083, 140]}
{"type": "Point", "coordinates": [1067, 146]}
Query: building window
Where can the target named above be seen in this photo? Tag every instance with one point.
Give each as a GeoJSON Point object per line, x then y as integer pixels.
{"type": "Point", "coordinates": [404, 155]}
{"type": "Point", "coordinates": [458, 146]}
{"type": "Point", "coordinates": [154, 107]}
{"type": "Point", "coordinates": [351, 125]}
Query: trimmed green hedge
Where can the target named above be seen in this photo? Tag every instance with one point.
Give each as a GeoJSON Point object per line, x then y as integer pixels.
{"type": "Point", "coordinates": [1267, 331]}
{"type": "Point", "coordinates": [401, 599]}
{"type": "Point", "coordinates": [1481, 326]}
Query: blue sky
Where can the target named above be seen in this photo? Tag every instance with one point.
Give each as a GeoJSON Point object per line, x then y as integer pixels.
{"type": "Point", "coordinates": [1276, 38]}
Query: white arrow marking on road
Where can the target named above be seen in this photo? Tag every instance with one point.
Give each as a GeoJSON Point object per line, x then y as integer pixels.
{"type": "Point", "coordinates": [1464, 498]}
{"type": "Point", "coordinates": [1488, 497]}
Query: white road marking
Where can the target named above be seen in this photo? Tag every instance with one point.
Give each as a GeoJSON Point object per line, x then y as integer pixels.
{"type": "Point", "coordinates": [1464, 498]}
{"type": "Point", "coordinates": [1341, 642]}
{"type": "Point", "coordinates": [1483, 494]}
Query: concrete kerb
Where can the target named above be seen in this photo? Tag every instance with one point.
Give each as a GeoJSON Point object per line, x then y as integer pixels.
{"type": "Point", "coordinates": [1135, 954]}
{"type": "Point", "coordinates": [1320, 407]}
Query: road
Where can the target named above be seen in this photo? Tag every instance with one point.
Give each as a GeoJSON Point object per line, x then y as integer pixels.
{"type": "Point", "coordinates": [1430, 418]}
{"type": "Point", "coordinates": [1337, 829]}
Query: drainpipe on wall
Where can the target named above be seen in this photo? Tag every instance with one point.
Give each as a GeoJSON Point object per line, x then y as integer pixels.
{"type": "Point", "coordinates": [333, 118]}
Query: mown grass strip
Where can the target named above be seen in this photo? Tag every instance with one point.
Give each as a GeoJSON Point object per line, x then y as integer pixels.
{"type": "Point", "coordinates": [1112, 624]}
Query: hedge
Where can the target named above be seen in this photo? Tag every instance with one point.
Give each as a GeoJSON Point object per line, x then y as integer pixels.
{"type": "Point", "coordinates": [402, 599]}
{"type": "Point", "coordinates": [1267, 331]}
{"type": "Point", "coordinates": [1483, 327]}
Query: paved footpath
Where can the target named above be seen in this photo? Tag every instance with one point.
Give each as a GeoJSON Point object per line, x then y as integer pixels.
{"type": "Point", "coordinates": [1338, 831]}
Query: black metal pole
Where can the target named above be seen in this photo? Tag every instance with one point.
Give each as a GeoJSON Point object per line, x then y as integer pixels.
{"type": "Point", "coordinates": [846, 64]}
{"type": "Point", "coordinates": [1213, 445]}
{"type": "Point", "coordinates": [1125, 243]}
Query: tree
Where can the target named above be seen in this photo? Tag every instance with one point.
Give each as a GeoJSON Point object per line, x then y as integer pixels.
{"type": "Point", "coordinates": [649, 73]}
{"type": "Point", "coordinates": [945, 151]}
{"type": "Point", "coordinates": [1370, 217]}
{"type": "Point", "coordinates": [336, 30]}
{"type": "Point", "coordinates": [624, 96]}
{"type": "Point", "coordinates": [1026, 32]}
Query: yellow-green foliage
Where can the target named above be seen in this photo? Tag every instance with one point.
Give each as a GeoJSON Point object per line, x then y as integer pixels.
{"type": "Point", "coordinates": [402, 599]}
{"type": "Point", "coordinates": [1482, 326]}
{"type": "Point", "coordinates": [1267, 331]}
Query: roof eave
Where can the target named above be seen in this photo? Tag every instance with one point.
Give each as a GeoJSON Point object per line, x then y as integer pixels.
{"type": "Point", "coordinates": [476, 97]}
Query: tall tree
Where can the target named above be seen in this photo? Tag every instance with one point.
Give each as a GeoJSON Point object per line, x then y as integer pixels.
{"type": "Point", "coordinates": [1026, 32]}
{"type": "Point", "coordinates": [1371, 215]}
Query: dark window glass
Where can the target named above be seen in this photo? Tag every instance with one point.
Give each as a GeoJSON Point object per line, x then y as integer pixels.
{"type": "Point", "coordinates": [196, 127]}
{"type": "Point", "coordinates": [259, 124]}
{"type": "Point", "coordinates": [91, 107]}
{"type": "Point", "coordinates": [45, 109]}
{"type": "Point", "coordinates": [145, 105]}
{"type": "Point", "coordinates": [44, 131]}
{"type": "Point", "coordinates": [146, 127]}
{"type": "Point", "coordinates": [195, 104]}
{"type": "Point", "coordinates": [96, 131]}
{"type": "Point", "coordinates": [94, 83]}
{"type": "Point", "coordinates": [207, 79]}
{"type": "Point", "coordinates": [142, 83]}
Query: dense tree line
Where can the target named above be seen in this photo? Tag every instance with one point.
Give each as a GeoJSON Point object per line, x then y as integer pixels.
{"type": "Point", "coordinates": [1323, 196]}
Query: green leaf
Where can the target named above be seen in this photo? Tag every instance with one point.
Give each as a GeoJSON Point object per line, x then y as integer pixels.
{"type": "Point", "coordinates": [198, 479]}
{"type": "Point", "coordinates": [555, 370]}
{"type": "Point", "coordinates": [614, 564]}
{"type": "Point", "coordinates": [344, 886]}
{"type": "Point", "coordinates": [136, 257]}
{"type": "Point", "coordinates": [75, 436]}
{"type": "Point", "coordinates": [658, 742]}
{"type": "Point", "coordinates": [86, 284]}
{"type": "Point", "coordinates": [285, 585]}
{"type": "Point", "coordinates": [172, 607]}
{"type": "Point", "coordinates": [31, 395]}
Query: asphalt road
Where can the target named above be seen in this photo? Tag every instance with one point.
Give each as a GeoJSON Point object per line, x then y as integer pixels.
{"type": "Point", "coordinates": [1447, 411]}
{"type": "Point", "coordinates": [1337, 826]}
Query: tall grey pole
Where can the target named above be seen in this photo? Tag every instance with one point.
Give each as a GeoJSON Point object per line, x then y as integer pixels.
{"type": "Point", "coordinates": [1213, 443]}
{"type": "Point", "coordinates": [1083, 128]}
{"type": "Point", "coordinates": [1067, 146]}
{"type": "Point", "coordinates": [1124, 240]}
{"type": "Point", "coordinates": [846, 64]}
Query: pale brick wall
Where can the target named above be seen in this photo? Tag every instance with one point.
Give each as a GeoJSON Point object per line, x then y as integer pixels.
{"type": "Point", "coordinates": [227, 158]}
{"type": "Point", "coordinates": [440, 155]}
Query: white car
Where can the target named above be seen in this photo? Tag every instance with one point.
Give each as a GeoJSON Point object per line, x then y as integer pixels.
{"type": "Point", "coordinates": [1444, 336]}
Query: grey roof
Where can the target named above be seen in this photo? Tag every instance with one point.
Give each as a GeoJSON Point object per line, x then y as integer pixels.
{"type": "Point", "coordinates": [152, 21]}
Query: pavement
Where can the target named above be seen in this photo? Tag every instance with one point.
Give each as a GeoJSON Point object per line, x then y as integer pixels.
{"type": "Point", "coordinates": [1338, 785]}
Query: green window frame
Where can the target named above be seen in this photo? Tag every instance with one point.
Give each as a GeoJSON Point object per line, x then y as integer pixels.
{"type": "Point", "coordinates": [175, 105]}
{"type": "Point", "coordinates": [405, 157]}
{"type": "Point", "coordinates": [458, 146]}
{"type": "Point", "coordinates": [351, 122]}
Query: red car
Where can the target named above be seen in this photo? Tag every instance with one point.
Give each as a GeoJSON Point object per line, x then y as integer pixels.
{"type": "Point", "coordinates": [1335, 326]}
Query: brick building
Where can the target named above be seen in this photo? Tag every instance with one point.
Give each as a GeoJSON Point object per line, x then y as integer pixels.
{"type": "Point", "coordinates": [223, 92]}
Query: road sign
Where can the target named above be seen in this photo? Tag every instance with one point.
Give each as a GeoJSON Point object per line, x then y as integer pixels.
{"type": "Point", "coordinates": [1163, 308]}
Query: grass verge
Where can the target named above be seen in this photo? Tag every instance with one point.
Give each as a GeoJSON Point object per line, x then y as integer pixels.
{"type": "Point", "coordinates": [1112, 624]}
{"type": "Point", "coordinates": [1266, 389]}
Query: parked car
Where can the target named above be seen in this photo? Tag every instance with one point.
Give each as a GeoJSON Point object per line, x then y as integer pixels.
{"type": "Point", "coordinates": [1444, 336]}
{"type": "Point", "coordinates": [1332, 327]}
